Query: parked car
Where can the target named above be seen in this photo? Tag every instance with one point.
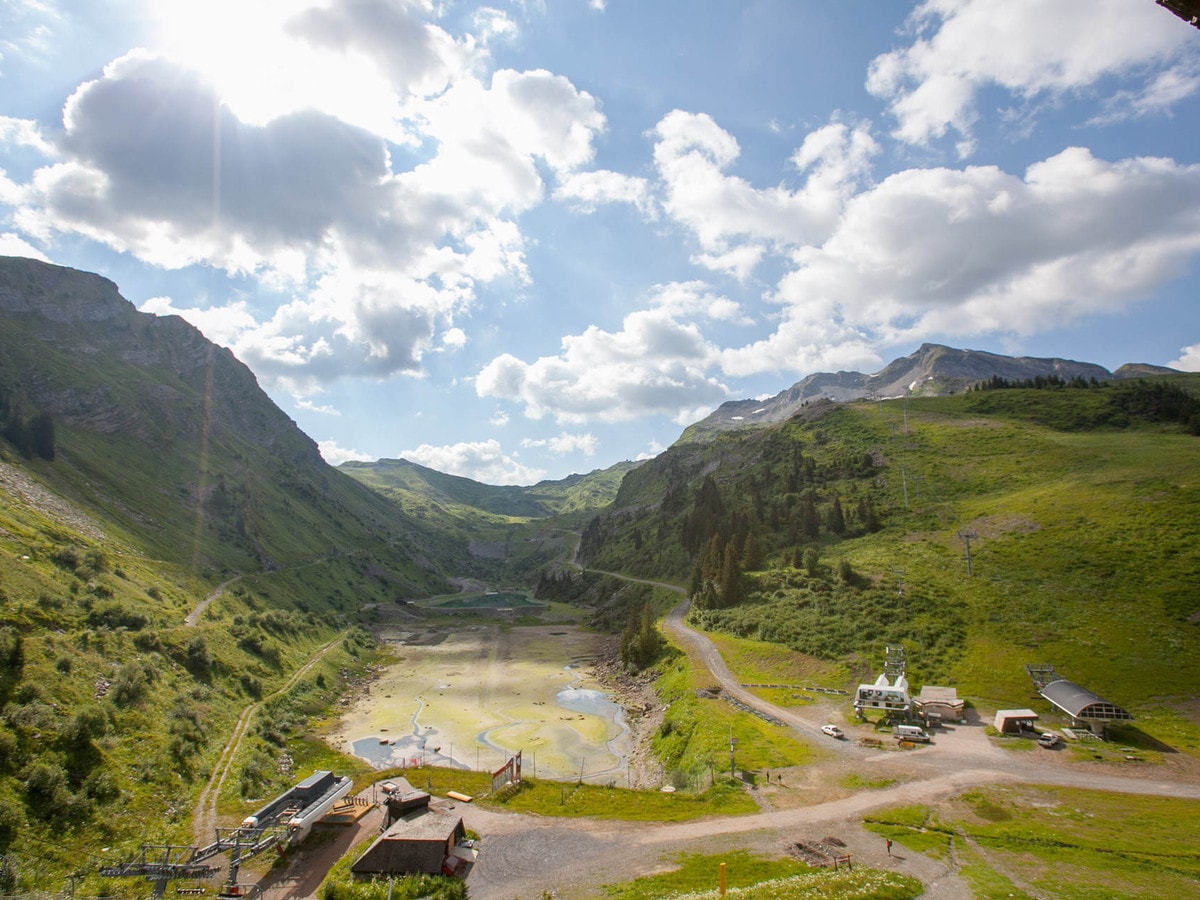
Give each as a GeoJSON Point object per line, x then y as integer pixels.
{"type": "Point", "coordinates": [832, 730]}
{"type": "Point", "coordinates": [1048, 739]}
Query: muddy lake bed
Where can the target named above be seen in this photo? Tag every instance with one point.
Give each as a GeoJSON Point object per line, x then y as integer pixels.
{"type": "Point", "coordinates": [472, 696]}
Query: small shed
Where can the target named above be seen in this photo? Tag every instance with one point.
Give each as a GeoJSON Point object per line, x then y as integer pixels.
{"type": "Point", "coordinates": [1014, 721]}
{"type": "Point", "coordinates": [419, 843]}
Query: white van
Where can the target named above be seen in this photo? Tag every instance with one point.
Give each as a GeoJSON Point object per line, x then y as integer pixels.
{"type": "Point", "coordinates": [910, 733]}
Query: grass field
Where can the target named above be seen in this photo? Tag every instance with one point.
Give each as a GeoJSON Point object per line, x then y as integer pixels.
{"type": "Point", "coordinates": [1029, 840]}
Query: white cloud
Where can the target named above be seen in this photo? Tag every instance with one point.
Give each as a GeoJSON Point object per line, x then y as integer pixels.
{"type": "Point", "coordinates": [154, 163]}
{"type": "Point", "coordinates": [493, 25]}
{"type": "Point", "coordinates": [688, 299]}
{"type": "Point", "coordinates": [653, 366]}
{"type": "Point", "coordinates": [25, 133]}
{"type": "Point", "coordinates": [361, 62]}
{"type": "Point", "coordinates": [977, 251]}
{"type": "Point", "coordinates": [1189, 359]}
{"type": "Point", "coordinates": [734, 222]}
{"type": "Point", "coordinates": [222, 325]}
{"type": "Point", "coordinates": [335, 455]}
{"type": "Point", "coordinates": [654, 449]}
{"type": "Point", "coordinates": [15, 245]}
{"type": "Point", "coordinates": [483, 461]}
{"type": "Point", "coordinates": [565, 443]}
{"type": "Point", "coordinates": [586, 191]}
{"type": "Point", "coordinates": [28, 29]}
{"type": "Point", "coordinates": [1032, 49]}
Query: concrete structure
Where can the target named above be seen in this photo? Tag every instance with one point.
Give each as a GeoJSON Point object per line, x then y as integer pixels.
{"type": "Point", "coordinates": [890, 696]}
{"type": "Point", "coordinates": [420, 842]}
{"type": "Point", "coordinates": [939, 704]}
{"type": "Point", "coordinates": [1014, 721]}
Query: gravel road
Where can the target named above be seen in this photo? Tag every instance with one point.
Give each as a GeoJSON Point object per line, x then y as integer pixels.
{"type": "Point", "coordinates": [525, 857]}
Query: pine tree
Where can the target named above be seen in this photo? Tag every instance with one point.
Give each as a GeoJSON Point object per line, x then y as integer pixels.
{"type": "Point", "coordinates": [731, 577]}
{"type": "Point", "coordinates": [837, 518]}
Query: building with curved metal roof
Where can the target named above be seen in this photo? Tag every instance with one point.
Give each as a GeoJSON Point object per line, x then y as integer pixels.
{"type": "Point", "coordinates": [1082, 705]}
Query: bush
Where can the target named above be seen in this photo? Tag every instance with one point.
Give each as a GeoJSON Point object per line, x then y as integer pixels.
{"type": "Point", "coordinates": [130, 685]}
{"type": "Point", "coordinates": [46, 792]}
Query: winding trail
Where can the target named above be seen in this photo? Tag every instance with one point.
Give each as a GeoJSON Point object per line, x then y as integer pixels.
{"type": "Point", "coordinates": [194, 616]}
{"type": "Point", "coordinates": [204, 817]}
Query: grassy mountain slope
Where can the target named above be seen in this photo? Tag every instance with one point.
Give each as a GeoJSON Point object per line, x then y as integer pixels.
{"type": "Point", "coordinates": [419, 489]}
{"type": "Point", "coordinates": [1081, 505]}
{"type": "Point", "coordinates": [510, 531]}
{"type": "Point", "coordinates": [164, 472]}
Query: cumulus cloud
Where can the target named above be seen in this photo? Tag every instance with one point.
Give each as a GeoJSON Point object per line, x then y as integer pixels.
{"type": "Point", "coordinates": [978, 250]}
{"type": "Point", "coordinates": [15, 245]}
{"type": "Point", "coordinates": [565, 443]}
{"type": "Point", "coordinates": [654, 366]}
{"type": "Point", "coordinates": [689, 299]}
{"type": "Point", "coordinates": [335, 455]}
{"type": "Point", "coordinates": [157, 168]}
{"type": "Point", "coordinates": [25, 133]}
{"type": "Point", "coordinates": [1035, 49]}
{"type": "Point", "coordinates": [222, 325]}
{"type": "Point", "coordinates": [1189, 359]}
{"type": "Point", "coordinates": [734, 222]}
{"type": "Point", "coordinates": [483, 461]}
{"type": "Point", "coordinates": [587, 191]}
{"type": "Point", "coordinates": [379, 263]}
{"type": "Point", "coordinates": [416, 57]}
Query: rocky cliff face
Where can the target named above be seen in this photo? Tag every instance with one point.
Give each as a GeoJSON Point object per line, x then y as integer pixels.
{"type": "Point", "coordinates": [75, 348]}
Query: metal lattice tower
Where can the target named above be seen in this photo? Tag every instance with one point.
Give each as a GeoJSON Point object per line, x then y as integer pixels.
{"type": "Point", "coordinates": [1042, 674]}
{"type": "Point", "coordinates": [894, 665]}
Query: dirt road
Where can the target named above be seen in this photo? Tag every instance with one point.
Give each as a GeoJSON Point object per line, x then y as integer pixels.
{"type": "Point", "coordinates": [525, 856]}
{"type": "Point", "coordinates": [529, 857]}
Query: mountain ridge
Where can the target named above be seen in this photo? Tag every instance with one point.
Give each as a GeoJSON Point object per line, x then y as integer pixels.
{"type": "Point", "coordinates": [931, 370]}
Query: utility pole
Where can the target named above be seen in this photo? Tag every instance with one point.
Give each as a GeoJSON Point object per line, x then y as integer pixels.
{"type": "Point", "coordinates": [967, 535]}
{"type": "Point", "coordinates": [904, 481]}
{"type": "Point", "coordinates": [732, 745]}
{"type": "Point", "coordinates": [899, 581]}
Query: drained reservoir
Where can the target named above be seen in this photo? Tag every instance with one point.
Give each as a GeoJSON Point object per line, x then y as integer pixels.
{"type": "Point", "coordinates": [472, 697]}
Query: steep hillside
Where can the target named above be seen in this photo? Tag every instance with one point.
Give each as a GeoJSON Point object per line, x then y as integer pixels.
{"type": "Point", "coordinates": [931, 371]}
{"type": "Point", "coordinates": [848, 527]}
{"type": "Point", "coordinates": [171, 442]}
{"type": "Point", "coordinates": [172, 549]}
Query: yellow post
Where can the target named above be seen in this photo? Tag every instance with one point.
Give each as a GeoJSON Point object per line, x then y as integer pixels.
{"type": "Point", "coordinates": [722, 879]}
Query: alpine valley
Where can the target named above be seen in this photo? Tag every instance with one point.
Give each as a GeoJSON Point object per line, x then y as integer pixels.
{"type": "Point", "coordinates": [177, 562]}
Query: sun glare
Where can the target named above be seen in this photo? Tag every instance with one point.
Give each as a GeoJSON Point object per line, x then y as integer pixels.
{"type": "Point", "coordinates": [261, 72]}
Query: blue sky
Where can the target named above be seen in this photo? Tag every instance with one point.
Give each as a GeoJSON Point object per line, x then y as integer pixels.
{"type": "Point", "coordinates": [519, 240]}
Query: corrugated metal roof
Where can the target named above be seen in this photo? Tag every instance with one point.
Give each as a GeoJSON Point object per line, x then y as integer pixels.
{"type": "Point", "coordinates": [1080, 703]}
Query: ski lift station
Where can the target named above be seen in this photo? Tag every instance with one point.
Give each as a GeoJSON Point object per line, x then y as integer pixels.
{"type": "Point", "coordinates": [889, 692]}
{"type": "Point", "coordinates": [885, 694]}
{"type": "Point", "coordinates": [1084, 708]}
